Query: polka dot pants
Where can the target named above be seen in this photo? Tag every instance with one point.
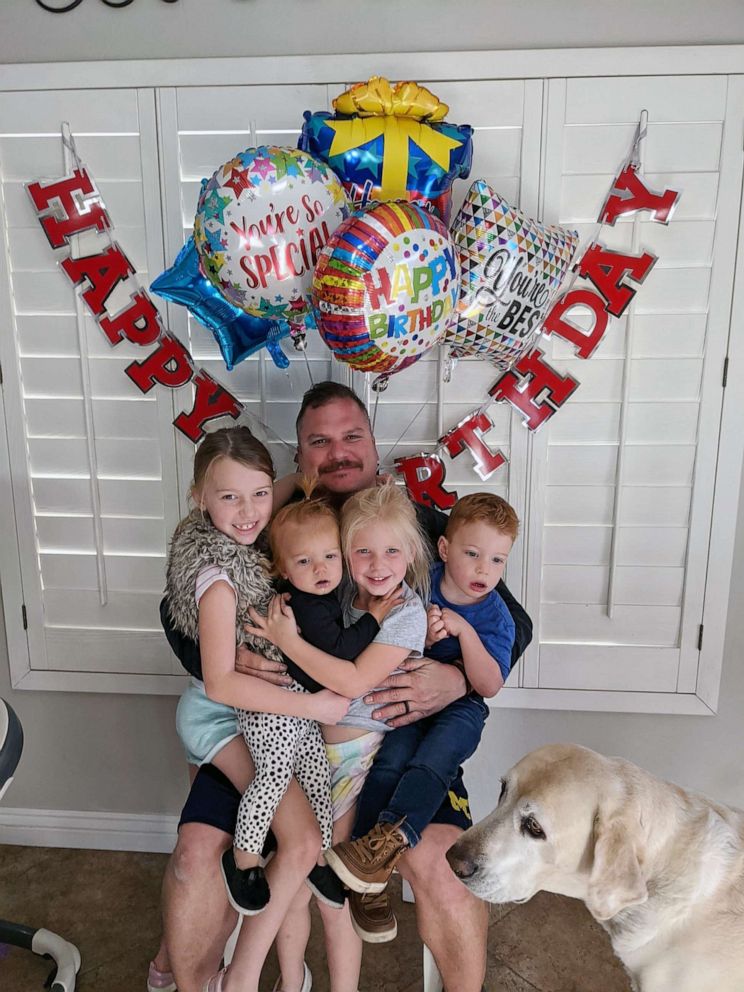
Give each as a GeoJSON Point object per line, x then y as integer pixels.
{"type": "Point", "coordinates": [282, 746]}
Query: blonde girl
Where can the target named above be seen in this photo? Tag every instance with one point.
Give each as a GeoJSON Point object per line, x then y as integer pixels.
{"type": "Point", "coordinates": [384, 551]}
{"type": "Point", "coordinates": [215, 571]}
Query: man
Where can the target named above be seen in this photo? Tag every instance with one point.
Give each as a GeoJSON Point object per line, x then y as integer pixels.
{"type": "Point", "coordinates": [335, 441]}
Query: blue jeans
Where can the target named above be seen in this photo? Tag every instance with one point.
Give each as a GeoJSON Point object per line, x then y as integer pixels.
{"type": "Point", "coordinates": [415, 767]}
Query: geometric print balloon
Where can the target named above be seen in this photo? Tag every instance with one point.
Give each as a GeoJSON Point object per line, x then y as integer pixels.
{"type": "Point", "coordinates": [511, 269]}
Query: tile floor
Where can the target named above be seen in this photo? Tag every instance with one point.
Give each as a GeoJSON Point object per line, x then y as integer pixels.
{"type": "Point", "coordinates": [550, 944]}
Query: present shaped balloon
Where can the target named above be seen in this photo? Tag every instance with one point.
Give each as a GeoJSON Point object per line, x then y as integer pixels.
{"type": "Point", "coordinates": [391, 143]}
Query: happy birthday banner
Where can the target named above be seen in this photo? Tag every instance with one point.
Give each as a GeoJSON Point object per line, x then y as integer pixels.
{"type": "Point", "coordinates": [601, 286]}
{"type": "Point", "coordinates": [73, 205]}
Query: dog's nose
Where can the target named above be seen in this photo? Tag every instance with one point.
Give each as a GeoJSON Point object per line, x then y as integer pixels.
{"type": "Point", "coordinates": [461, 864]}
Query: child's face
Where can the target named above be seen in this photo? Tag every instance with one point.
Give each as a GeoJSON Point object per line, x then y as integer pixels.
{"type": "Point", "coordinates": [238, 499]}
{"type": "Point", "coordinates": [378, 559]}
{"type": "Point", "coordinates": [474, 561]}
{"type": "Point", "coordinates": [311, 559]}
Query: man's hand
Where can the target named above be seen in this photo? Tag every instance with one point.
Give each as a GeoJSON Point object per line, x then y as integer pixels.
{"type": "Point", "coordinates": [249, 663]}
{"type": "Point", "coordinates": [423, 687]}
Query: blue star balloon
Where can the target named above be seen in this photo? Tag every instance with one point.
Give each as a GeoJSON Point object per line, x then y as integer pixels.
{"type": "Point", "coordinates": [237, 333]}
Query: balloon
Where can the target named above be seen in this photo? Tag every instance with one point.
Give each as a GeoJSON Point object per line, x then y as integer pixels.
{"type": "Point", "coordinates": [260, 224]}
{"type": "Point", "coordinates": [511, 271]}
{"type": "Point", "coordinates": [385, 286]}
{"type": "Point", "coordinates": [237, 333]}
{"type": "Point", "coordinates": [391, 143]}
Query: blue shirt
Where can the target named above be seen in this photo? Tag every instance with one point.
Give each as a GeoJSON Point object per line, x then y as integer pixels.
{"type": "Point", "coordinates": [490, 619]}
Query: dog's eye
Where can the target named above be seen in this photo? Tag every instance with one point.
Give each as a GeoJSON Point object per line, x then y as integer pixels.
{"type": "Point", "coordinates": [532, 827]}
{"type": "Point", "coordinates": [503, 790]}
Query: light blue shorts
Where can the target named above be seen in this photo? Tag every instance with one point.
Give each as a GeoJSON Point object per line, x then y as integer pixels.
{"type": "Point", "coordinates": [203, 725]}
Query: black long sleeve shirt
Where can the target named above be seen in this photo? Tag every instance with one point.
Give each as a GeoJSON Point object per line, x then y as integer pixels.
{"type": "Point", "coordinates": [321, 623]}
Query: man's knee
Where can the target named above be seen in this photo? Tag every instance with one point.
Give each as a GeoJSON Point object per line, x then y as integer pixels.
{"type": "Point", "coordinates": [425, 866]}
{"type": "Point", "coordinates": [197, 852]}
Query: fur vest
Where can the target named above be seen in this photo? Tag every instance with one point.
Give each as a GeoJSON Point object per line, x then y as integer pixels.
{"type": "Point", "coordinates": [196, 543]}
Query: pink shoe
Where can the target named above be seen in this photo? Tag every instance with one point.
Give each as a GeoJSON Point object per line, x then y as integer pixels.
{"type": "Point", "coordinates": [159, 981]}
{"type": "Point", "coordinates": [215, 982]}
{"type": "Point", "coordinates": [307, 981]}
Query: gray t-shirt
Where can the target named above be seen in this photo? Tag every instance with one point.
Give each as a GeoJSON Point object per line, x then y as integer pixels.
{"type": "Point", "coordinates": [404, 627]}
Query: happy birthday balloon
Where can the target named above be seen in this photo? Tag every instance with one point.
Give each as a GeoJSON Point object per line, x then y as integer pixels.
{"type": "Point", "coordinates": [260, 225]}
{"type": "Point", "coordinates": [391, 143]}
{"type": "Point", "coordinates": [385, 286]}
{"type": "Point", "coordinates": [511, 271]}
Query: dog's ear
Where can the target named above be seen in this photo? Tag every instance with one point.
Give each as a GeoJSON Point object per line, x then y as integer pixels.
{"type": "Point", "coordinates": [616, 880]}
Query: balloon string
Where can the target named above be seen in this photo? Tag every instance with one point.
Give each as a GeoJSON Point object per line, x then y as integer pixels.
{"type": "Point", "coordinates": [307, 366]}
{"type": "Point", "coordinates": [374, 412]}
{"type": "Point", "coordinates": [413, 419]}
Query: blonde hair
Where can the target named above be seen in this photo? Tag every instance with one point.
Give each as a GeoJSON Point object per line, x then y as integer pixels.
{"type": "Point", "coordinates": [487, 508]}
{"type": "Point", "coordinates": [236, 443]}
{"type": "Point", "coordinates": [312, 511]}
{"type": "Point", "coordinates": [388, 505]}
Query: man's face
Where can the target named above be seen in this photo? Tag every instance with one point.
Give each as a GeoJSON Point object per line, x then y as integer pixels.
{"type": "Point", "coordinates": [336, 444]}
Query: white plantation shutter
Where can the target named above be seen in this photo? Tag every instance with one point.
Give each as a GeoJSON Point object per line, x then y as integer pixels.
{"type": "Point", "coordinates": [93, 459]}
{"type": "Point", "coordinates": [97, 476]}
{"type": "Point", "coordinates": [639, 631]}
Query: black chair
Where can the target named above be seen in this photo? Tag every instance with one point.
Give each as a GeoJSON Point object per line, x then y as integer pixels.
{"type": "Point", "coordinates": [65, 955]}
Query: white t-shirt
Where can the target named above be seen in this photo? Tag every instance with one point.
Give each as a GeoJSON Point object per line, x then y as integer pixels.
{"type": "Point", "coordinates": [207, 577]}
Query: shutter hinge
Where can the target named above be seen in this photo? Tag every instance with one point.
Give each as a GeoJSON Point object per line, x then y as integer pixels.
{"type": "Point", "coordinates": [725, 373]}
{"type": "Point", "coordinates": [700, 638]}
{"type": "Point", "coordinates": [25, 616]}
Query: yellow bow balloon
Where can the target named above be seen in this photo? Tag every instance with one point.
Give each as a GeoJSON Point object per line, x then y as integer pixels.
{"type": "Point", "coordinates": [377, 98]}
{"type": "Point", "coordinates": [390, 142]}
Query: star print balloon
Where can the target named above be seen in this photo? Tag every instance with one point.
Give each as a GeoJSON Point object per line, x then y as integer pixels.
{"type": "Point", "coordinates": [261, 223]}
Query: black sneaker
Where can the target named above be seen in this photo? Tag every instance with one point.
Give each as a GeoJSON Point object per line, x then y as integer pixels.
{"type": "Point", "coordinates": [326, 886]}
{"type": "Point", "coordinates": [247, 889]}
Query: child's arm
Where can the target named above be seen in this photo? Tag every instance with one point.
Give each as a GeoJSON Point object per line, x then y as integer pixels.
{"type": "Point", "coordinates": [482, 669]}
{"type": "Point", "coordinates": [352, 678]}
{"type": "Point", "coordinates": [224, 685]}
{"type": "Point", "coordinates": [321, 624]}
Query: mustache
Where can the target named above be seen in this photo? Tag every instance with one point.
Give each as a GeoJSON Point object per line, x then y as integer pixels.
{"type": "Point", "coordinates": [338, 465]}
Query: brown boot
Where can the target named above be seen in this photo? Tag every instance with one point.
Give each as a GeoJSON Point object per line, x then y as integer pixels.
{"type": "Point", "coordinates": [365, 865]}
{"type": "Point", "coordinates": [372, 917]}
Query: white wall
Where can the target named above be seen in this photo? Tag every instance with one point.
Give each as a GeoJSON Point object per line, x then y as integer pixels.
{"type": "Point", "coordinates": [194, 28]}
{"type": "Point", "coordinates": [120, 753]}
